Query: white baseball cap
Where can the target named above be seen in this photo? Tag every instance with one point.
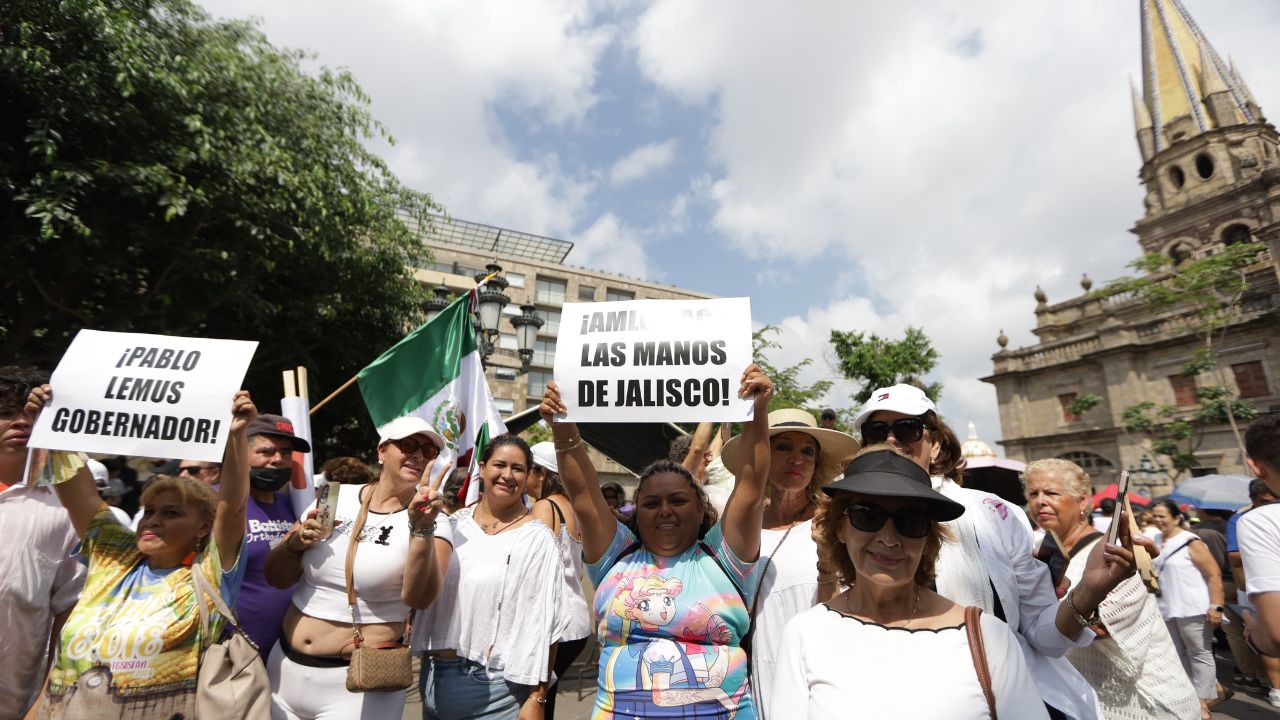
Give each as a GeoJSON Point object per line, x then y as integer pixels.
{"type": "Point", "coordinates": [544, 454]}
{"type": "Point", "coordinates": [906, 399]}
{"type": "Point", "coordinates": [403, 427]}
{"type": "Point", "coordinates": [99, 472]}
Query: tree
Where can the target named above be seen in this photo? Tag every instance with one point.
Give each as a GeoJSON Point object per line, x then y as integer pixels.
{"type": "Point", "coordinates": [788, 392]}
{"type": "Point", "coordinates": [876, 362]}
{"type": "Point", "coordinates": [1204, 296]}
{"type": "Point", "coordinates": [164, 172]}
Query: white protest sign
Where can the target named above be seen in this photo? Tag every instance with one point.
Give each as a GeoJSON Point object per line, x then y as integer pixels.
{"type": "Point", "coordinates": [144, 395]}
{"type": "Point", "coordinates": [654, 360]}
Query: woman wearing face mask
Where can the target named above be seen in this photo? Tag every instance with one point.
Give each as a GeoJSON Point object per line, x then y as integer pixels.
{"type": "Point", "coordinates": [802, 458]}
{"type": "Point", "coordinates": [674, 587]}
{"type": "Point", "coordinates": [1190, 598]}
{"type": "Point", "coordinates": [131, 647]}
{"type": "Point", "coordinates": [1135, 670]}
{"type": "Point", "coordinates": [990, 565]}
{"type": "Point", "coordinates": [395, 568]}
{"type": "Point", "coordinates": [487, 645]}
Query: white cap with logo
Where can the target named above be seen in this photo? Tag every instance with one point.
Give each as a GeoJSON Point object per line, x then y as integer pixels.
{"type": "Point", "coordinates": [906, 399]}
{"type": "Point", "coordinates": [403, 427]}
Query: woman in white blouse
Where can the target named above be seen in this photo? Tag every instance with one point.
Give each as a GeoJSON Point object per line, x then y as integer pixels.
{"type": "Point", "coordinates": [1133, 666]}
{"type": "Point", "coordinates": [487, 643]}
{"type": "Point", "coordinates": [1190, 598]}
{"type": "Point", "coordinates": [889, 646]}
{"type": "Point", "coordinates": [802, 458]}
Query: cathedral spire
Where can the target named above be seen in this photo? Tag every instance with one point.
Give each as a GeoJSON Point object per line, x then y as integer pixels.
{"type": "Point", "coordinates": [1187, 88]}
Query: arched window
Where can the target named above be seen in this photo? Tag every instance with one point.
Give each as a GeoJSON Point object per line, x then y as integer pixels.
{"type": "Point", "coordinates": [1236, 234]}
{"type": "Point", "coordinates": [1091, 462]}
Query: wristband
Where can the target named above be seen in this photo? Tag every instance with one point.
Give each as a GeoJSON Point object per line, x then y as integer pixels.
{"type": "Point", "coordinates": [1081, 620]}
{"type": "Point", "coordinates": [427, 533]}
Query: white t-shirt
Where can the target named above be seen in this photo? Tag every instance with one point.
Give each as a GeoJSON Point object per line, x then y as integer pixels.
{"type": "Point", "coordinates": [1183, 590]}
{"type": "Point", "coordinates": [1258, 532]}
{"type": "Point", "coordinates": [498, 603]}
{"type": "Point", "coordinates": [788, 586]}
{"type": "Point", "coordinates": [377, 574]}
{"type": "Point", "coordinates": [834, 666]}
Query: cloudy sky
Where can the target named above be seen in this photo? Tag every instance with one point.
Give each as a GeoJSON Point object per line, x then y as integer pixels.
{"type": "Point", "coordinates": [848, 164]}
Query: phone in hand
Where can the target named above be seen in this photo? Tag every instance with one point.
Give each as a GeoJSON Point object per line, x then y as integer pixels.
{"type": "Point", "coordinates": [1113, 532]}
{"type": "Point", "coordinates": [326, 504]}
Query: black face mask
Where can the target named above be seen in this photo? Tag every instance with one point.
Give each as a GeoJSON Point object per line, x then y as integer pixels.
{"type": "Point", "coordinates": [268, 479]}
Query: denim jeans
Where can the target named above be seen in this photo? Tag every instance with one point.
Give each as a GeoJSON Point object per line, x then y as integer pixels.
{"type": "Point", "coordinates": [458, 689]}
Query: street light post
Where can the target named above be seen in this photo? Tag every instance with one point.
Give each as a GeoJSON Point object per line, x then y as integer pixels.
{"type": "Point", "coordinates": [1145, 475]}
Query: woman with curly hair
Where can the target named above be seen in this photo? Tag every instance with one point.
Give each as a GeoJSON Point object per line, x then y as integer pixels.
{"type": "Point", "coordinates": [881, 533]}
{"type": "Point", "coordinates": [673, 587]}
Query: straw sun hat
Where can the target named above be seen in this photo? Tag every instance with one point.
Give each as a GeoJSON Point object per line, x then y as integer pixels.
{"type": "Point", "coordinates": [835, 447]}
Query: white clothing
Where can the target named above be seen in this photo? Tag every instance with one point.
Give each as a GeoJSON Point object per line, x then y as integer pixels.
{"type": "Point", "coordinates": [1183, 590]}
{"type": "Point", "coordinates": [788, 587]}
{"type": "Point", "coordinates": [39, 579]}
{"type": "Point", "coordinates": [719, 485]}
{"type": "Point", "coordinates": [497, 606]}
{"type": "Point", "coordinates": [1136, 672]}
{"type": "Point", "coordinates": [1258, 533]}
{"type": "Point", "coordinates": [300, 692]}
{"type": "Point", "coordinates": [574, 617]}
{"type": "Point", "coordinates": [1102, 523]}
{"type": "Point", "coordinates": [834, 666]}
{"type": "Point", "coordinates": [1026, 594]}
{"type": "Point", "coordinates": [377, 574]}
{"type": "Point", "coordinates": [121, 516]}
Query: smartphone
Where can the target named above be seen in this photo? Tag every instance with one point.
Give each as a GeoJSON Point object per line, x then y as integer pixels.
{"type": "Point", "coordinates": [326, 504]}
{"type": "Point", "coordinates": [1053, 554]}
{"type": "Point", "coordinates": [1113, 532]}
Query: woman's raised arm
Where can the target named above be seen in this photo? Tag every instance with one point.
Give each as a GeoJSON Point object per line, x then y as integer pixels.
{"type": "Point", "coordinates": [744, 512]}
{"type": "Point", "coordinates": [579, 478]}
{"type": "Point", "coordinates": [233, 492]}
{"type": "Point", "coordinates": [79, 495]}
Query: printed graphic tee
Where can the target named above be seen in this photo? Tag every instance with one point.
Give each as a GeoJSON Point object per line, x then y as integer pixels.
{"type": "Point", "coordinates": [261, 606]}
{"type": "Point", "coordinates": [674, 625]}
{"type": "Point", "coordinates": [136, 631]}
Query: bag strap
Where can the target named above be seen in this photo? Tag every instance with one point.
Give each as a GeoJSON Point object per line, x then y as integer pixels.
{"type": "Point", "coordinates": [972, 626]}
{"type": "Point", "coordinates": [352, 542]}
{"type": "Point", "coordinates": [1083, 543]}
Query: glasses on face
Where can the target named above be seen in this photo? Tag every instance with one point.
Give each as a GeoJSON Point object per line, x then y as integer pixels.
{"type": "Point", "coordinates": [904, 430]}
{"type": "Point", "coordinates": [192, 470]}
{"type": "Point", "coordinates": [909, 522]}
{"type": "Point", "coordinates": [411, 445]}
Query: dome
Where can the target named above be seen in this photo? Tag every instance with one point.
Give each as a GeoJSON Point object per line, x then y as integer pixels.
{"type": "Point", "coordinates": [975, 448]}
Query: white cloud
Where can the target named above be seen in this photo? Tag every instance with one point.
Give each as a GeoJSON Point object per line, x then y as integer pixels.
{"type": "Point", "coordinates": [642, 161]}
{"type": "Point", "coordinates": [612, 246]}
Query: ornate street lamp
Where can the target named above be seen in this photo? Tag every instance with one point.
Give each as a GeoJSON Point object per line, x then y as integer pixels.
{"type": "Point", "coordinates": [438, 301]}
{"type": "Point", "coordinates": [491, 299]}
{"type": "Point", "coordinates": [1145, 475]}
{"type": "Point", "coordinates": [526, 324]}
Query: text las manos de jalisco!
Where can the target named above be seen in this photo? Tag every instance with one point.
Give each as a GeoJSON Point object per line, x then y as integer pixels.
{"type": "Point", "coordinates": [152, 390]}
{"type": "Point", "coordinates": [648, 392]}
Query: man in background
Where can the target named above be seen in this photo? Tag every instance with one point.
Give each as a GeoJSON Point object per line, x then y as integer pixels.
{"type": "Point", "coordinates": [1259, 538]}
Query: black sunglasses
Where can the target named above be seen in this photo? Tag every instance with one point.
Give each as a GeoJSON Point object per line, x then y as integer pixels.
{"type": "Point", "coordinates": [910, 523]}
{"type": "Point", "coordinates": [411, 445]}
{"type": "Point", "coordinates": [191, 470]}
{"type": "Point", "coordinates": [905, 430]}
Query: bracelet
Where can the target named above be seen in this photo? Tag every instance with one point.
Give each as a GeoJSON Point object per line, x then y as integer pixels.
{"type": "Point", "coordinates": [571, 444]}
{"type": "Point", "coordinates": [1081, 620]}
{"type": "Point", "coordinates": [540, 699]}
{"type": "Point", "coordinates": [427, 533]}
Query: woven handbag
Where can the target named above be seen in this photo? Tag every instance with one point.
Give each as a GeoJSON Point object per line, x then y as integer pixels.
{"type": "Point", "coordinates": [375, 667]}
{"type": "Point", "coordinates": [232, 682]}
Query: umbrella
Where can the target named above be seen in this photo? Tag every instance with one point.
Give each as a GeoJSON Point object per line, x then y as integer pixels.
{"type": "Point", "coordinates": [1109, 493]}
{"type": "Point", "coordinates": [631, 445]}
{"type": "Point", "coordinates": [1213, 492]}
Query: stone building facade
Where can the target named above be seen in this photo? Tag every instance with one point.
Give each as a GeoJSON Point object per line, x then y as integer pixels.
{"type": "Point", "coordinates": [537, 272]}
{"type": "Point", "coordinates": [1211, 169]}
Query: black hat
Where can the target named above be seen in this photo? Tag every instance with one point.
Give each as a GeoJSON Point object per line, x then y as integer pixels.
{"type": "Point", "coordinates": [277, 426]}
{"type": "Point", "coordinates": [885, 473]}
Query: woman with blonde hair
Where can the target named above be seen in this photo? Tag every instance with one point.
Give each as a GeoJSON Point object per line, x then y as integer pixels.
{"type": "Point", "coordinates": [132, 646]}
{"type": "Point", "coordinates": [802, 459]}
{"type": "Point", "coordinates": [1135, 671]}
{"type": "Point", "coordinates": [882, 532]}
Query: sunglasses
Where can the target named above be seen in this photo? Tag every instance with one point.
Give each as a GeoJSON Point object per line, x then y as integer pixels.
{"type": "Point", "coordinates": [905, 430]}
{"type": "Point", "coordinates": [411, 445]}
{"type": "Point", "coordinates": [192, 470]}
{"type": "Point", "coordinates": [910, 523]}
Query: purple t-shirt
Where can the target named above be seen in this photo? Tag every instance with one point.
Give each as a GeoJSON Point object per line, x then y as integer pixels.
{"type": "Point", "coordinates": [261, 607]}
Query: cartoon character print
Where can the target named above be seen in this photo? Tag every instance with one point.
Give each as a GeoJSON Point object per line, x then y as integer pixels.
{"type": "Point", "coordinates": [672, 678]}
{"type": "Point", "coordinates": [997, 506]}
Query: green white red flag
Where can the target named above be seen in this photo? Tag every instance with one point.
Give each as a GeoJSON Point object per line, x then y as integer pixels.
{"type": "Point", "coordinates": [435, 373]}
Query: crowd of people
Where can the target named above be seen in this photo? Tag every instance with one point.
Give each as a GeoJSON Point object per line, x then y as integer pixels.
{"type": "Point", "coordinates": [793, 570]}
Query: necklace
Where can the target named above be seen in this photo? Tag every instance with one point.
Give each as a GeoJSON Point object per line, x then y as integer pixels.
{"type": "Point", "coordinates": [386, 517]}
{"type": "Point", "coordinates": [487, 527]}
{"type": "Point", "coordinates": [915, 606]}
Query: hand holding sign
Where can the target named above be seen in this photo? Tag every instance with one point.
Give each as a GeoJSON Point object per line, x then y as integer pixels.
{"type": "Point", "coordinates": [243, 411]}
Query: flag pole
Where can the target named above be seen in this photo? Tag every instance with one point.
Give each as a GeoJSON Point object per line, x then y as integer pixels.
{"type": "Point", "coordinates": [353, 379]}
{"type": "Point", "coordinates": [334, 394]}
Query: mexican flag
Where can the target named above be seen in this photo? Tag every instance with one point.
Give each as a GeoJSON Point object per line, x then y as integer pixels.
{"type": "Point", "coordinates": [435, 374]}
